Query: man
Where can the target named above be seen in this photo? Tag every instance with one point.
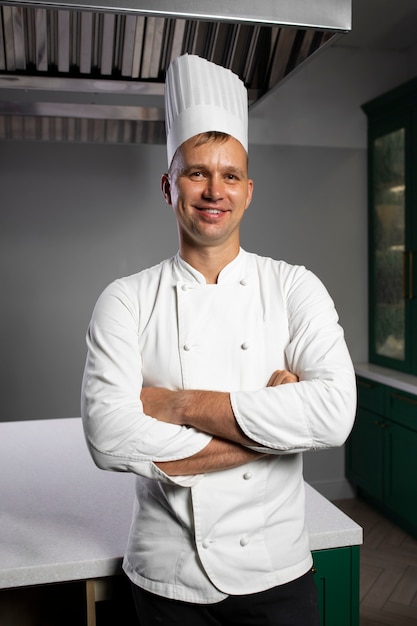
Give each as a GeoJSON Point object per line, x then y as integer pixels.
{"type": "Point", "coordinates": [185, 385]}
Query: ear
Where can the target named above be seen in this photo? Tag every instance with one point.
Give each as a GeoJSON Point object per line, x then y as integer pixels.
{"type": "Point", "coordinates": [166, 188]}
{"type": "Point", "coordinates": [250, 193]}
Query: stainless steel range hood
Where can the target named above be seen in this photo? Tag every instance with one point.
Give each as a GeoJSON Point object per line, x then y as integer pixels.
{"type": "Point", "coordinates": [94, 71]}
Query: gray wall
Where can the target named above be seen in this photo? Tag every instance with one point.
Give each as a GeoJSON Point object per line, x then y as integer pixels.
{"type": "Point", "coordinates": [74, 217]}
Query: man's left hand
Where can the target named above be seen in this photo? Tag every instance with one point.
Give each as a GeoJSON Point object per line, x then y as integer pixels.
{"type": "Point", "coordinates": [160, 403]}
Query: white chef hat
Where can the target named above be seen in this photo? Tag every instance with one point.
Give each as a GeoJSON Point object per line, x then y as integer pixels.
{"type": "Point", "coordinates": [201, 96]}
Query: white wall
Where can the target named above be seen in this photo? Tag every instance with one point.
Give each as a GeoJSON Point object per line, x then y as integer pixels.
{"type": "Point", "coordinates": [73, 217]}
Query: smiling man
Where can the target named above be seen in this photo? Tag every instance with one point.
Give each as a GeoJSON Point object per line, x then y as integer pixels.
{"type": "Point", "coordinates": [207, 376]}
{"type": "Point", "coordinates": [209, 188]}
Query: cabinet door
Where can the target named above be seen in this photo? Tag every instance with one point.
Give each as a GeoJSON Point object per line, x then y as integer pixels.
{"type": "Point", "coordinates": [400, 486]}
{"type": "Point", "coordinates": [389, 259]}
{"type": "Point", "coordinates": [371, 395]}
{"type": "Point", "coordinates": [400, 475]}
{"type": "Point", "coordinates": [337, 580]}
{"type": "Point", "coordinates": [364, 453]}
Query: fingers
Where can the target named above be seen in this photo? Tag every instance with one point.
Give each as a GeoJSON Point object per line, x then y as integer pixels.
{"type": "Point", "coordinates": [282, 377]}
{"type": "Point", "coordinates": [146, 399]}
{"type": "Point", "coordinates": [154, 400]}
{"type": "Point", "coordinates": [158, 402]}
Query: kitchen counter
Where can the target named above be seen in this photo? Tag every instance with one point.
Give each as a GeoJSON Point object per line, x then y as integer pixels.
{"type": "Point", "coordinates": [392, 378]}
{"type": "Point", "coordinates": [63, 519]}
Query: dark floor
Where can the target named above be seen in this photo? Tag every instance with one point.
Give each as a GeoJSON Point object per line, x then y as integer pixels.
{"type": "Point", "coordinates": [388, 595]}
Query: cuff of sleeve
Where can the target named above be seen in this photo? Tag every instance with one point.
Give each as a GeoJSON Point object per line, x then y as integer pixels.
{"type": "Point", "coordinates": [180, 481]}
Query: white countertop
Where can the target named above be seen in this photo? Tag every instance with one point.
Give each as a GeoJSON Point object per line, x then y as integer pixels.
{"type": "Point", "coordinates": [392, 378]}
{"type": "Point", "coordinates": [63, 519]}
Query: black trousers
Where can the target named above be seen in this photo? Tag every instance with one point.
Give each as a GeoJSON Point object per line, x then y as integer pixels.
{"type": "Point", "coordinates": [292, 604]}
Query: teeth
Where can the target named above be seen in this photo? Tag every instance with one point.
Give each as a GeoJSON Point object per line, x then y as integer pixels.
{"type": "Point", "coordinates": [214, 211]}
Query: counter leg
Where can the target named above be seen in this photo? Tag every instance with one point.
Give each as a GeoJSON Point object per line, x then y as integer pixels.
{"type": "Point", "coordinates": [90, 596]}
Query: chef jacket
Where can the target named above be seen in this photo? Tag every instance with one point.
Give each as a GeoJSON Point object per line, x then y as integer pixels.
{"type": "Point", "coordinates": [236, 531]}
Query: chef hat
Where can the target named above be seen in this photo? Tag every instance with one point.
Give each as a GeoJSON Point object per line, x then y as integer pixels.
{"type": "Point", "coordinates": [201, 96]}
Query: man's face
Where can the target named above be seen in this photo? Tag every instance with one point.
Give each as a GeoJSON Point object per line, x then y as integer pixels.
{"type": "Point", "coordinates": [209, 190]}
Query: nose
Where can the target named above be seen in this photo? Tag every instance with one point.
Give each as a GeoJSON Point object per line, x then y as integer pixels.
{"type": "Point", "coordinates": [214, 189]}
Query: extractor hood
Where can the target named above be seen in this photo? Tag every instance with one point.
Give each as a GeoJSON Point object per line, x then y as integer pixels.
{"type": "Point", "coordinates": [94, 71]}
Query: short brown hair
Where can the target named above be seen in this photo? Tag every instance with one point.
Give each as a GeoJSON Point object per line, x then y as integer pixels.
{"type": "Point", "coordinates": [202, 138]}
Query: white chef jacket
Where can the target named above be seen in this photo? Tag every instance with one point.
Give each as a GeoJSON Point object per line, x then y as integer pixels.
{"type": "Point", "coordinates": [237, 531]}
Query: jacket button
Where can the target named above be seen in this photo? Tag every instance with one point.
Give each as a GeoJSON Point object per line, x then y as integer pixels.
{"type": "Point", "coordinates": [247, 475]}
{"type": "Point", "coordinates": [185, 287]}
{"type": "Point", "coordinates": [244, 542]}
{"type": "Point", "coordinates": [206, 543]}
{"type": "Point", "coordinates": [187, 347]}
{"type": "Point", "coordinates": [243, 282]}
{"type": "Point", "coordinates": [245, 345]}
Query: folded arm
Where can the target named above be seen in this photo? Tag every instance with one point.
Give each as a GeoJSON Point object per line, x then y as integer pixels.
{"type": "Point", "coordinates": [206, 430]}
{"type": "Point", "coordinates": [219, 454]}
{"type": "Point", "coordinates": [121, 433]}
{"type": "Point", "coordinates": [210, 412]}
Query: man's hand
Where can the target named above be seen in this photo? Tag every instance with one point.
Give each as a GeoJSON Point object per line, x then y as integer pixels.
{"type": "Point", "coordinates": [282, 377]}
{"type": "Point", "coordinates": [161, 403]}
{"type": "Point", "coordinates": [211, 412]}
{"type": "Point", "coordinates": [204, 410]}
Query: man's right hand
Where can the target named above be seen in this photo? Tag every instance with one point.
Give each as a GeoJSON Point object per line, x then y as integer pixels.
{"type": "Point", "coordinates": [282, 377]}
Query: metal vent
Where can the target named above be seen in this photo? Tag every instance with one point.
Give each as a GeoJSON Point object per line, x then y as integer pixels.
{"type": "Point", "coordinates": [79, 75]}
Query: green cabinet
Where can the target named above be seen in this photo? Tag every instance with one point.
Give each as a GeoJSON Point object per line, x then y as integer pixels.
{"type": "Point", "coordinates": [365, 447]}
{"type": "Point", "coordinates": [381, 452]}
{"type": "Point", "coordinates": [401, 453]}
{"type": "Point", "coordinates": [337, 580]}
{"type": "Point", "coordinates": [392, 159]}
{"type": "Point", "coordinates": [366, 453]}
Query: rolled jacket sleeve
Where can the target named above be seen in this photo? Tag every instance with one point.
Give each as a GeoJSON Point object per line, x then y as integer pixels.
{"type": "Point", "coordinates": [119, 434]}
{"type": "Point", "coordinates": [317, 412]}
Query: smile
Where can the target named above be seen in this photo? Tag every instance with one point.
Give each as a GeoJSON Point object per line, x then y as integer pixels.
{"type": "Point", "coordinates": [211, 211]}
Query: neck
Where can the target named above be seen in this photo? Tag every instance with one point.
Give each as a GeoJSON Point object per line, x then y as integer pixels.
{"type": "Point", "coordinates": [209, 261]}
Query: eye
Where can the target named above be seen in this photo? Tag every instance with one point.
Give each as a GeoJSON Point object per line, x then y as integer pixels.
{"type": "Point", "coordinates": [233, 174]}
{"type": "Point", "coordinates": [232, 177]}
{"type": "Point", "coordinates": [197, 174]}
